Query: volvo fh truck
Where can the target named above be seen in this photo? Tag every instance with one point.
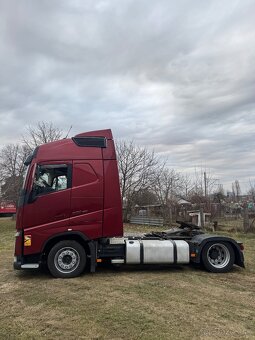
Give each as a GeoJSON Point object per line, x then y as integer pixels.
{"type": "Point", "coordinates": [70, 216]}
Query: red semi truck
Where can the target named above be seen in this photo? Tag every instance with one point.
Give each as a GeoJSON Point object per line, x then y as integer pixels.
{"type": "Point", "coordinates": [70, 216]}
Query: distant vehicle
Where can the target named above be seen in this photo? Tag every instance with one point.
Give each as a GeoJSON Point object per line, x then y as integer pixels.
{"type": "Point", "coordinates": [7, 208]}
{"type": "Point", "coordinates": [70, 216]}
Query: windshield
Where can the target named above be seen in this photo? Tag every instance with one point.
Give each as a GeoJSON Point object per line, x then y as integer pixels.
{"type": "Point", "coordinates": [27, 165]}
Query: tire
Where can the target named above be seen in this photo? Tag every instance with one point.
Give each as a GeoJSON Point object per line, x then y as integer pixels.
{"type": "Point", "coordinates": [218, 257]}
{"type": "Point", "coordinates": [66, 259]}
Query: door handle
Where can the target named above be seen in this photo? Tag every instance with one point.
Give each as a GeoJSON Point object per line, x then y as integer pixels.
{"type": "Point", "coordinates": [76, 213]}
{"type": "Point", "coordinates": [79, 212]}
{"type": "Point", "coordinates": [59, 217]}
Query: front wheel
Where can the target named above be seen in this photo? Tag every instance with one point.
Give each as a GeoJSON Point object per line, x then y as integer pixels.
{"type": "Point", "coordinates": [218, 257]}
{"type": "Point", "coordinates": [66, 259]}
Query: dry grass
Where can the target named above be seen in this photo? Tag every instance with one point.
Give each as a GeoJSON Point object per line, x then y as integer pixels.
{"type": "Point", "coordinates": [130, 303]}
{"type": "Point", "coordinates": [234, 224]}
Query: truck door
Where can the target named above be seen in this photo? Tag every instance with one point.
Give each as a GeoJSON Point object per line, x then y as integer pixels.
{"type": "Point", "coordinates": [87, 198]}
{"type": "Point", "coordinates": [48, 208]}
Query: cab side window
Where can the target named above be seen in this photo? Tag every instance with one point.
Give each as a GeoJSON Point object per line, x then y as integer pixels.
{"type": "Point", "coordinates": [51, 178]}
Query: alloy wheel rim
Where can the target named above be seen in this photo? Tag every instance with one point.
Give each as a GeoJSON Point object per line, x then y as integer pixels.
{"type": "Point", "coordinates": [66, 260]}
{"type": "Point", "coordinates": [218, 255]}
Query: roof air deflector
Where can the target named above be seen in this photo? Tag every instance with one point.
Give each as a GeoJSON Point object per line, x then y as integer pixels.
{"type": "Point", "coordinates": [97, 142]}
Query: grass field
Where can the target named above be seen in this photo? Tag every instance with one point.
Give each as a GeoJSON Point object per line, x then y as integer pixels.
{"type": "Point", "coordinates": [130, 303]}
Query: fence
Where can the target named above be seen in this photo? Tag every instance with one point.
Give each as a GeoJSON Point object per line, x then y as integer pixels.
{"type": "Point", "coordinates": [147, 220]}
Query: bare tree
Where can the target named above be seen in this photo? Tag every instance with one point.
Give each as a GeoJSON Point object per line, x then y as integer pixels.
{"type": "Point", "coordinates": [187, 185]}
{"type": "Point", "coordinates": [205, 182]}
{"type": "Point", "coordinates": [251, 190]}
{"type": "Point", "coordinates": [218, 198]}
{"type": "Point", "coordinates": [12, 158]}
{"type": "Point", "coordinates": [137, 170]}
{"type": "Point", "coordinates": [167, 187]}
{"type": "Point", "coordinates": [236, 189]}
{"type": "Point", "coordinates": [43, 132]}
{"type": "Point", "coordinates": [144, 197]}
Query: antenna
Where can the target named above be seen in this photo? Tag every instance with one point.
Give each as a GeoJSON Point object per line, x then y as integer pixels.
{"type": "Point", "coordinates": [68, 132]}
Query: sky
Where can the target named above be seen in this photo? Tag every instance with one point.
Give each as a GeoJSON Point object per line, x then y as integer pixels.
{"type": "Point", "coordinates": [177, 77]}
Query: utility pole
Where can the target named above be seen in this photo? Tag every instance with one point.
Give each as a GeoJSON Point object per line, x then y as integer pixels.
{"type": "Point", "coordinates": [171, 201]}
{"type": "Point", "coordinates": [205, 183]}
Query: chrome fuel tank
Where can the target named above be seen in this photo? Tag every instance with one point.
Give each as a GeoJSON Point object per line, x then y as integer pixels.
{"type": "Point", "coordinates": [157, 251]}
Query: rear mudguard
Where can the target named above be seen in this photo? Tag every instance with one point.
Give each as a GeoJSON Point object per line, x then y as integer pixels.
{"type": "Point", "coordinates": [198, 242]}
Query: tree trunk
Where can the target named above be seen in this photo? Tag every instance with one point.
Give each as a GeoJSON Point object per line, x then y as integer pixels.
{"type": "Point", "coordinates": [245, 219]}
{"type": "Point", "coordinates": [170, 215]}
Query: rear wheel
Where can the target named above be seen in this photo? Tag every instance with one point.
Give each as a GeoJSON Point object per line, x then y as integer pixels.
{"type": "Point", "coordinates": [66, 259]}
{"type": "Point", "coordinates": [218, 257]}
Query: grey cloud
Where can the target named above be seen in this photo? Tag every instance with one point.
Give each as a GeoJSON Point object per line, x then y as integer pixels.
{"type": "Point", "coordinates": [177, 77]}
